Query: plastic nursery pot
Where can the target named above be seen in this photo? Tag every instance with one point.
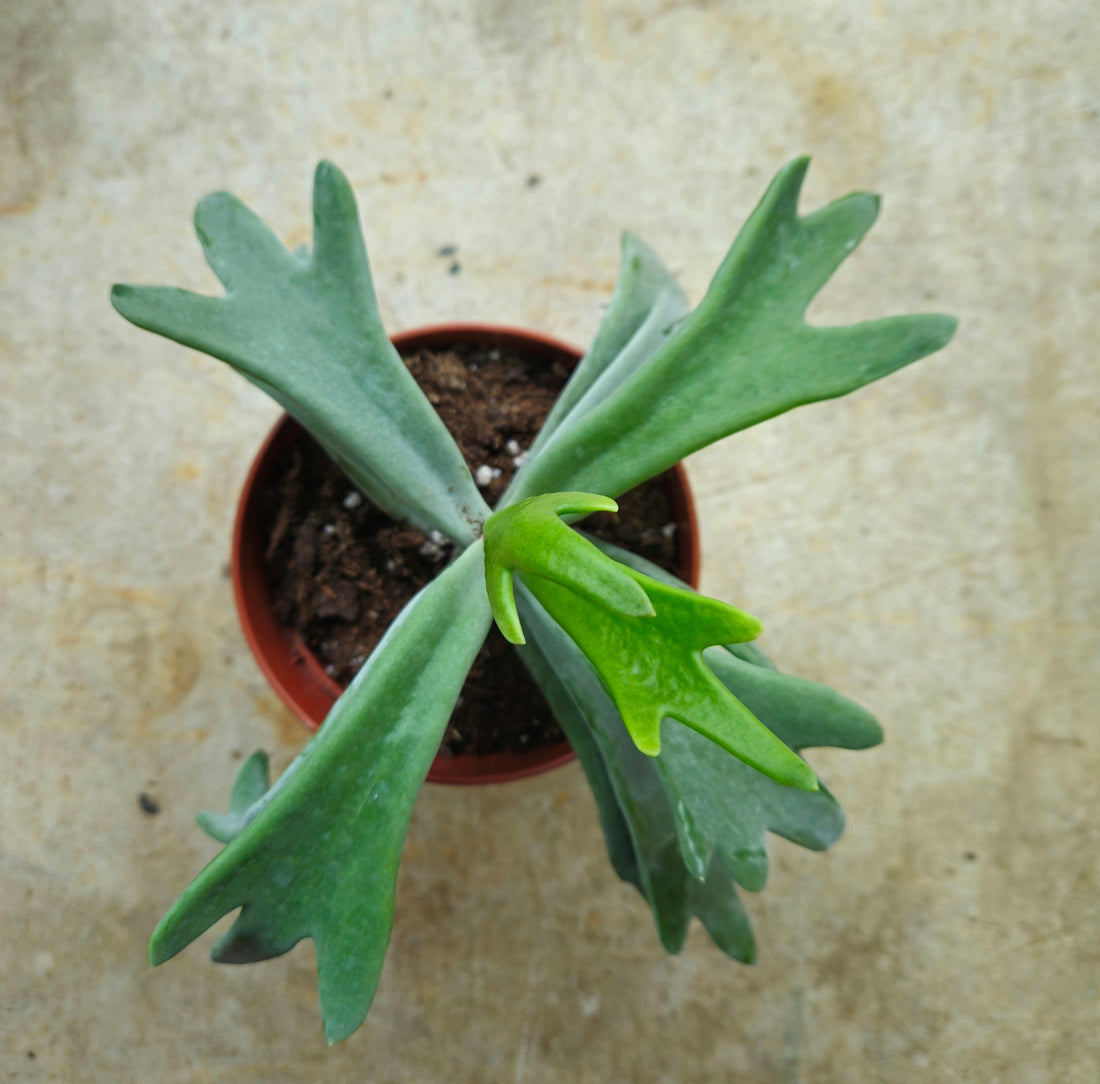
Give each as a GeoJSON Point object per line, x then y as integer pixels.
{"type": "Point", "coordinates": [294, 672]}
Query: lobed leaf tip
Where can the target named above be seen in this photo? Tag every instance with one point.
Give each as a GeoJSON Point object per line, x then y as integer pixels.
{"type": "Point", "coordinates": [870, 733]}
{"type": "Point", "coordinates": [212, 206]}
{"type": "Point", "coordinates": [644, 605]}
{"type": "Point", "coordinates": [329, 179]}
{"type": "Point", "coordinates": [567, 504]}
{"type": "Point", "coordinates": [331, 188]}
{"type": "Point", "coordinates": [633, 247]}
{"type": "Point", "coordinates": [337, 1032]}
{"type": "Point", "coordinates": [512, 631]}
{"type": "Point", "coordinates": [205, 819]}
{"type": "Point", "coordinates": [158, 952]}
{"type": "Point", "coordinates": [864, 207]}
{"type": "Point", "coordinates": [121, 292]}
{"type": "Point", "coordinates": [502, 600]}
{"type": "Point", "coordinates": [729, 625]}
{"type": "Point", "coordinates": [943, 327]}
{"type": "Point", "coordinates": [808, 782]}
{"type": "Point", "coordinates": [794, 173]}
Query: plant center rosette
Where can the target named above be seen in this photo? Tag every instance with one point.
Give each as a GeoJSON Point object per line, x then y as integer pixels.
{"type": "Point", "coordinates": [319, 572]}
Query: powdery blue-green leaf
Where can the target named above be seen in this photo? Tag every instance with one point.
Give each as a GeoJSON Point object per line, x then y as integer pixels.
{"type": "Point", "coordinates": [744, 355]}
{"type": "Point", "coordinates": [318, 857]}
{"type": "Point", "coordinates": [645, 309]}
{"type": "Point", "coordinates": [306, 330]}
{"type": "Point", "coordinates": [252, 783]}
{"type": "Point", "coordinates": [730, 806]}
{"type": "Point", "coordinates": [565, 702]}
{"type": "Point", "coordinates": [715, 902]}
{"type": "Point", "coordinates": [633, 804]}
{"type": "Point", "coordinates": [651, 663]}
{"type": "Point", "coordinates": [802, 713]}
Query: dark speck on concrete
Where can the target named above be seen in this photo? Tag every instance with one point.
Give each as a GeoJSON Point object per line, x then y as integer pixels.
{"type": "Point", "coordinates": [534, 180]}
{"type": "Point", "coordinates": [455, 268]}
{"type": "Point", "coordinates": [971, 856]}
{"type": "Point", "coordinates": [148, 804]}
{"type": "Point", "coordinates": [447, 250]}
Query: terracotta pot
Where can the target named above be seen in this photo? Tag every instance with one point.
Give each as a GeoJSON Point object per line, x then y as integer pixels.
{"type": "Point", "coordinates": [293, 670]}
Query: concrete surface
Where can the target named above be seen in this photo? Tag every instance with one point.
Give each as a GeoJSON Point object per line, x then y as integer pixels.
{"type": "Point", "coordinates": [928, 546]}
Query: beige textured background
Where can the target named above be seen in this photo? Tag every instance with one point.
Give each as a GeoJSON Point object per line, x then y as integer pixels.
{"type": "Point", "coordinates": [928, 546]}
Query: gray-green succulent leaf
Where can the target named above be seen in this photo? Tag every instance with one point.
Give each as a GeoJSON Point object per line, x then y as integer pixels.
{"type": "Point", "coordinates": [316, 854]}
{"type": "Point", "coordinates": [645, 309]}
{"type": "Point", "coordinates": [252, 783]}
{"type": "Point", "coordinates": [744, 355]}
{"type": "Point", "coordinates": [721, 803]}
{"type": "Point", "coordinates": [305, 328]}
{"type": "Point", "coordinates": [637, 817]}
{"type": "Point", "coordinates": [320, 859]}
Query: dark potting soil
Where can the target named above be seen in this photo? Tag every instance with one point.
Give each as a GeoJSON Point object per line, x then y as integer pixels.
{"type": "Point", "coordinates": [341, 570]}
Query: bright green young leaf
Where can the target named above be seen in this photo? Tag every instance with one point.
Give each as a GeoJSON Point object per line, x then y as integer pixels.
{"type": "Point", "coordinates": [651, 664]}
{"type": "Point", "coordinates": [306, 330]}
{"type": "Point", "coordinates": [801, 713]}
{"type": "Point", "coordinates": [634, 808]}
{"type": "Point", "coordinates": [720, 803]}
{"type": "Point", "coordinates": [318, 857]}
{"type": "Point", "coordinates": [253, 781]}
{"type": "Point", "coordinates": [645, 308]}
{"type": "Point", "coordinates": [730, 805]}
{"type": "Point", "coordinates": [744, 355]}
{"type": "Point", "coordinates": [531, 537]}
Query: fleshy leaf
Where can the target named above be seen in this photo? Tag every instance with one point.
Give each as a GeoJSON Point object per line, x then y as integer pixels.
{"type": "Point", "coordinates": [800, 712]}
{"type": "Point", "coordinates": [253, 781]}
{"type": "Point", "coordinates": [721, 801]}
{"type": "Point", "coordinates": [634, 807]}
{"type": "Point", "coordinates": [644, 311]}
{"type": "Point", "coordinates": [744, 355]}
{"type": "Point", "coordinates": [730, 806]}
{"type": "Point", "coordinates": [531, 537]}
{"type": "Point", "coordinates": [319, 856]}
{"type": "Point", "coordinates": [565, 699]}
{"type": "Point", "coordinates": [307, 331]}
{"type": "Point", "coordinates": [652, 664]}
{"type": "Point", "coordinates": [715, 902]}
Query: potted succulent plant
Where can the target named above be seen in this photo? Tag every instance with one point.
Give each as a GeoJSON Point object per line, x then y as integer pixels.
{"type": "Point", "coordinates": [318, 572]}
{"type": "Point", "coordinates": [689, 737]}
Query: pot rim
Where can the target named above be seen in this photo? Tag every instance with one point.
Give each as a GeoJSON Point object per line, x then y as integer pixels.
{"type": "Point", "coordinates": [295, 673]}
